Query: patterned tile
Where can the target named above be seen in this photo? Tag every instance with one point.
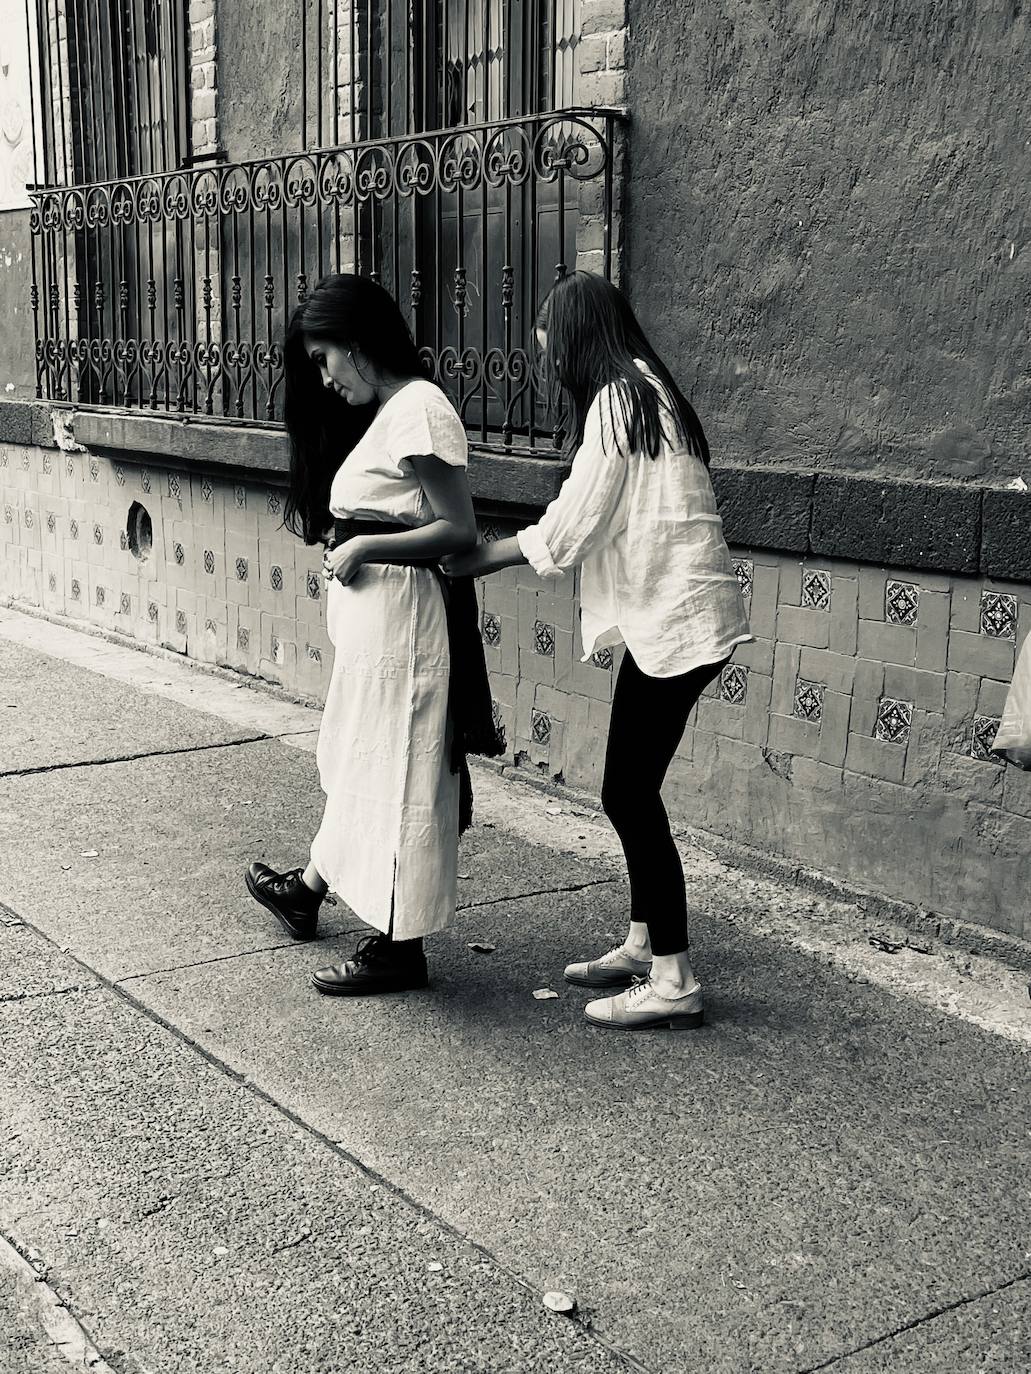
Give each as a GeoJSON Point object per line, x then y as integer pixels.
{"type": "Point", "coordinates": [126, 603]}
{"type": "Point", "coordinates": [94, 470]}
{"type": "Point", "coordinates": [174, 489]}
{"type": "Point", "coordinates": [152, 611]}
{"type": "Point", "coordinates": [982, 737]}
{"type": "Point", "coordinates": [73, 529]}
{"type": "Point", "coordinates": [52, 582]}
{"type": "Point", "coordinates": [745, 573]}
{"type": "Point", "coordinates": [490, 532]}
{"type": "Point", "coordinates": [25, 461]}
{"type": "Point", "coordinates": [901, 602]}
{"type": "Point", "coordinates": [544, 639]}
{"type": "Point", "coordinates": [180, 622]}
{"type": "Point", "coordinates": [499, 721]}
{"type": "Point", "coordinates": [314, 585]}
{"type": "Point", "coordinates": [275, 578]}
{"type": "Point", "coordinates": [734, 684]}
{"type": "Point", "coordinates": [274, 503]}
{"type": "Point", "coordinates": [51, 521]}
{"type": "Point", "coordinates": [145, 480]}
{"type": "Point", "coordinates": [48, 465]}
{"type": "Point", "coordinates": [120, 474]}
{"type": "Point", "coordinates": [206, 489]}
{"type": "Point", "coordinates": [180, 553]}
{"type": "Point", "coordinates": [240, 496]}
{"type": "Point", "coordinates": [241, 570]}
{"type": "Point", "coordinates": [808, 701]}
{"type": "Point", "coordinates": [211, 627]}
{"type": "Point", "coordinates": [999, 615]}
{"type": "Point", "coordinates": [9, 517]}
{"type": "Point", "coordinates": [101, 594]}
{"type": "Point", "coordinates": [76, 589]}
{"type": "Point", "coordinates": [540, 727]}
{"type": "Point", "coordinates": [209, 561]}
{"type": "Point", "coordinates": [894, 721]}
{"type": "Point", "coordinates": [4, 459]}
{"type": "Point", "coordinates": [30, 519]}
{"type": "Point", "coordinates": [602, 658]}
{"type": "Point", "coordinates": [69, 467]}
{"type": "Point", "coordinates": [816, 589]}
{"type": "Point", "coordinates": [123, 541]}
{"type": "Point", "coordinates": [98, 534]}
{"type": "Point", "coordinates": [491, 630]}
{"type": "Point", "coordinates": [314, 653]}
{"type": "Point", "coordinates": [276, 649]}
{"type": "Point", "coordinates": [243, 638]}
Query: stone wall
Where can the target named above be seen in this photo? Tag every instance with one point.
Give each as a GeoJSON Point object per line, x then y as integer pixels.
{"type": "Point", "coordinates": [852, 737]}
{"type": "Point", "coordinates": [827, 230]}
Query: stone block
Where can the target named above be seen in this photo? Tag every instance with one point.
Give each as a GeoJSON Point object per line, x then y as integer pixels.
{"type": "Point", "coordinates": [762, 609]}
{"type": "Point", "coordinates": [756, 656]}
{"type": "Point", "coordinates": [874, 758]}
{"type": "Point", "coordinates": [836, 671]}
{"type": "Point", "coordinates": [925, 690]}
{"type": "Point", "coordinates": [791, 736]}
{"type": "Point", "coordinates": [1006, 535]}
{"type": "Point", "coordinates": [765, 508]}
{"type": "Point", "coordinates": [756, 726]}
{"type": "Point", "coordinates": [786, 658]}
{"type": "Point", "coordinates": [980, 654]}
{"type": "Point", "coordinates": [932, 631]}
{"type": "Point", "coordinates": [888, 643]}
{"type": "Point", "coordinates": [834, 727]}
{"type": "Point", "coordinates": [897, 524]}
{"type": "Point", "coordinates": [799, 625]}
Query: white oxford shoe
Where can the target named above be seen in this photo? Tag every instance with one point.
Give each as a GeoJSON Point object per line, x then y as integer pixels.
{"type": "Point", "coordinates": [613, 970]}
{"type": "Point", "coordinates": [641, 1008]}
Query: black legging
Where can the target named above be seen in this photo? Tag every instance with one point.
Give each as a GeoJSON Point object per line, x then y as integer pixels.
{"type": "Point", "coordinates": [649, 716]}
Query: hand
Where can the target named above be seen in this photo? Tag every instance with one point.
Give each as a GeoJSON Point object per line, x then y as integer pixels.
{"type": "Point", "coordinates": [344, 561]}
{"type": "Point", "coordinates": [473, 563]}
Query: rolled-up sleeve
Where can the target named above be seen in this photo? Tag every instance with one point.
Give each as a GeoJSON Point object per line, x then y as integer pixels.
{"type": "Point", "coordinates": [587, 512]}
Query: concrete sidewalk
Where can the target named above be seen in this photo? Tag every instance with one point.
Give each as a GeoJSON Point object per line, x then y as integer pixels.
{"type": "Point", "coordinates": [222, 1171]}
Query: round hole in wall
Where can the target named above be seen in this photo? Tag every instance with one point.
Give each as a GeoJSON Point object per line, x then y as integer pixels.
{"type": "Point", "coordinates": [139, 532]}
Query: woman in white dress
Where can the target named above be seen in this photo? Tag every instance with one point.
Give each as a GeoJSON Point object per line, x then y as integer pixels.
{"type": "Point", "coordinates": [378, 459]}
{"type": "Point", "coordinates": [637, 513]}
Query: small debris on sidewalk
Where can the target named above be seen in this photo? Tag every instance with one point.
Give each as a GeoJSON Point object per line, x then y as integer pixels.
{"type": "Point", "coordinates": [478, 948]}
{"type": "Point", "coordinates": [544, 994]}
{"type": "Point", "coordinates": [90, 854]}
{"type": "Point", "coordinates": [563, 1303]}
{"type": "Point", "coordinates": [885, 946]}
{"type": "Point", "coordinates": [435, 1267]}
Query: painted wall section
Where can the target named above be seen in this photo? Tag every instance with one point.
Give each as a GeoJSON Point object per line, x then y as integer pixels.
{"type": "Point", "coordinates": [828, 228]}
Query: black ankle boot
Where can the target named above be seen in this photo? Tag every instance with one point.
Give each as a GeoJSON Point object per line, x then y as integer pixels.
{"type": "Point", "coordinates": [378, 965]}
{"type": "Point", "coordinates": [289, 899]}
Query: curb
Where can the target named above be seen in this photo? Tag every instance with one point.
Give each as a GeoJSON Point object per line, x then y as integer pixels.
{"type": "Point", "coordinates": [49, 1313]}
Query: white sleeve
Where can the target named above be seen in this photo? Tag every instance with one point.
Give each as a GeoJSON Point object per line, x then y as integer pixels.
{"type": "Point", "coordinates": [586, 513]}
{"type": "Point", "coordinates": [429, 424]}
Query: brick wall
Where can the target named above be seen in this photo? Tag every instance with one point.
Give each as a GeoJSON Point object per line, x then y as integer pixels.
{"type": "Point", "coordinates": [852, 737]}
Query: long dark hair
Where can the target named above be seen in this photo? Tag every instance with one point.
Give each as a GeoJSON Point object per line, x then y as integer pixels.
{"type": "Point", "coordinates": [593, 339]}
{"type": "Point", "coordinates": [352, 312]}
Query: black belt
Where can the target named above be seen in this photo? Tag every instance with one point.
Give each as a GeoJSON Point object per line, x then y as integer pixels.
{"type": "Point", "coordinates": [470, 705]}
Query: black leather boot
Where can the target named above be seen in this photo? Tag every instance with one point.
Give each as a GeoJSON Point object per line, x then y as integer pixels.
{"type": "Point", "coordinates": [378, 965]}
{"type": "Point", "coordinates": [290, 900]}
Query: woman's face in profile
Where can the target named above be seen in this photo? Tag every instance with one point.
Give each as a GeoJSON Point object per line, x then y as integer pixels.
{"type": "Point", "coordinates": [340, 372]}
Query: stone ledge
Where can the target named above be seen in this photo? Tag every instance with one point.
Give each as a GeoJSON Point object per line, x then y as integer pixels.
{"type": "Point", "coordinates": [888, 523]}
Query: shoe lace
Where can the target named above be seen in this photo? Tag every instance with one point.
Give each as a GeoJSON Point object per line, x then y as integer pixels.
{"type": "Point", "coordinates": [370, 948]}
{"type": "Point", "coordinates": [639, 988]}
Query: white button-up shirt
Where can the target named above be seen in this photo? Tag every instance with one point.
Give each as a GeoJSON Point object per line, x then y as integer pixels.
{"type": "Point", "coordinates": [656, 571]}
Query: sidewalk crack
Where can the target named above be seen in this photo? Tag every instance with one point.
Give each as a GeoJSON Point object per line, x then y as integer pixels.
{"type": "Point", "coordinates": [916, 1322]}
{"type": "Point", "coordinates": [540, 892]}
{"type": "Point", "coordinates": [131, 758]}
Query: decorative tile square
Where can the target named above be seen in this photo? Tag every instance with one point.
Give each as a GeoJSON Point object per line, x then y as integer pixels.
{"type": "Point", "coordinates": [490, 531]}
{"type": "Point", "coordinates": [274, 503]}
{"type": "Point", "coordinates": [808, 701]}
{"type": "Point", "coordinates": [180, 553]}
{"type": "Point", "coordinates": [206, 489]}
{"type": "Point", "coordinates": [94, 470]}
{"type": "Point", "coordinates": [76, 589]}
{"type": "Point", "coordinates": [544, 639]}
{"type": "Point", "coordinates": [894, 721]}
{"type": "Point", "coordinates": [313, 585]}
{"type": "Point", "coordinates": [98, 534]}
{"type": "Point", "coordinates": [123, 541]}
{"type": "Point", "coordinates": [48, 465]}
{"type": "Point", "coordinates": [734, 684]}
{"type": "Point", "coordinates": [209, 561]}
{"type": "Point", "coordinates": [999, 615]}
{"type": "Point", "coordinates": [52, 582]}
{"type": "Point", "coordinates": [120, 474]}
{"type": "Point", "coordinates": [745, 572]}
{"type": "Point", "coordinates": [276, 648]}
{"type": "Point", "coordinates": [314, 653]}
{"type": "Point", "coordinates": [275, 577]}
{"type": "Point", "coordinates": [180, 622]}
{"type": "Point", "coordinates": [241, 570]}
{"type": "Point", "coordinates": [126, 603]}
{"type": "Point", "coordinates": [174, 489]}
{"type": "Point", "coordinates": [51, 521]}
{"type": "Point", "coordinates": [69, 467]}
{"type": "Point", "coordinates": [901, 602]}
{"type": "Point", "coordinates": [100, 596]}
{"type": "Point", "coordinates": [498, 719]}
{"type": "Point", "coordinates": [73, 529]}
{"type": "Point", "coordinates": [211, 627]}
{"type": "Point", "coordinates": [25, 461]}
{"type": "Point", "coordinates": [982, 737]}
{"type": "Point", "coordinates": [816, 589]}
{"type": "Point", "coordinates": [30, 519]}
{"type": "Point", "coordinates": [240, 497]}
{"type": "Point", "coordinates": [145, 479]}
{"type": "Point", "coordinates": [152, 611]}
{"type": "Point", "coordinates": [243, 638]}
{"type": "Point", "coordinates": [491, 630]}
{"type": "Point", "coordinates": [602, 658]}
{"type": "Point", "coordinates": [4, 459]}
{"type": "Point", "coordinates": [540, 727]}
{"type": "Point", "coordinates": [9, 517]}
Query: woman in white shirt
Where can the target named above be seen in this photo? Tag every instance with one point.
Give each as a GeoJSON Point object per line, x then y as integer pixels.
{"type": "Point", "coordinates": [637, 512]}
{"type": "Point", "coordinates": [381, 451]}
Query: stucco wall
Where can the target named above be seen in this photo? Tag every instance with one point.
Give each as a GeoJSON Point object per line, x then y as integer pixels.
{"type": "Point", "coordinates": [828, 232]}
{"type": "Point", "coordinates": [259, 79]}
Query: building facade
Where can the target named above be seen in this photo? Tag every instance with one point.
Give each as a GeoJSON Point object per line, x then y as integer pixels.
{"type": "Point", "coordinates": [814, 209]}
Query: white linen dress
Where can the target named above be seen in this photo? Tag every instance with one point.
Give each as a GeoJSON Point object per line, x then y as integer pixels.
{"type": "Point", "coordinates": [388, 842]}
